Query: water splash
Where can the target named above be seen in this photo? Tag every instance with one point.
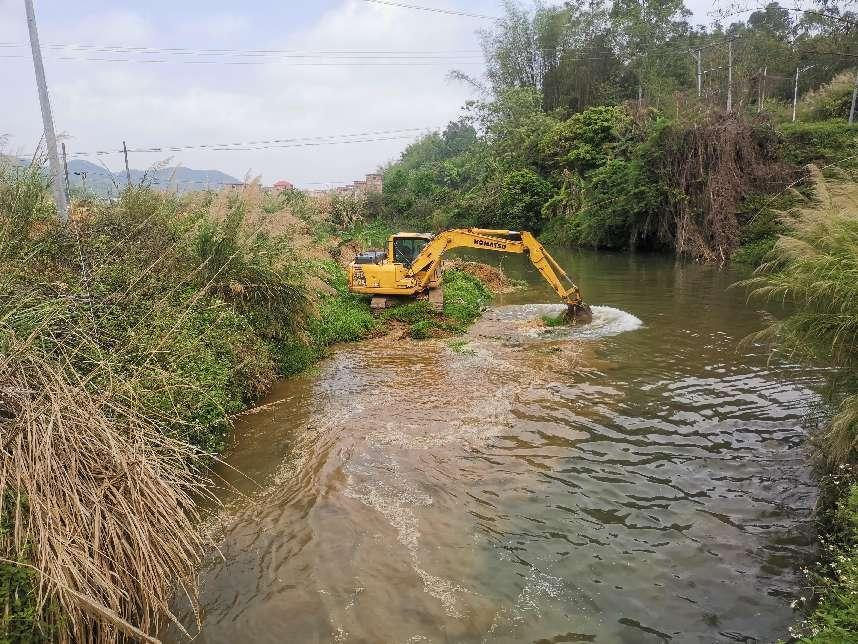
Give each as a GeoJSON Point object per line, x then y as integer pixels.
{"type": "Point", "coordinates": [527, 320]}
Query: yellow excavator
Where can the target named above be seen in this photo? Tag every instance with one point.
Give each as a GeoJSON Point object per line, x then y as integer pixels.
{"type": "Point", "coordinates": [411, 266]}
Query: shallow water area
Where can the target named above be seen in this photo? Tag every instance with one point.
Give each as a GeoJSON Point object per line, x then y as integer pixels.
{"type": "Point", "coordinates": [526, 319]}
{"type": "Point", "coordinates": [639, 479]}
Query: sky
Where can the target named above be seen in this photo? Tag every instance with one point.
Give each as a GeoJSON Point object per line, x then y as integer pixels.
{"type": "Point", "coordinates": [292, 81]}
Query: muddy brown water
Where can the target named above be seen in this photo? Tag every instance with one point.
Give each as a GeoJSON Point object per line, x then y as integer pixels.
{"type": "Point", "coordinates": [641, 480]}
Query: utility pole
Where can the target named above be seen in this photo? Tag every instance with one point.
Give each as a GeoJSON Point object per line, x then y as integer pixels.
{"type": "Point", "coordinates": [795, 95]}
{"type": "Point", "coordinates": [762, 96]}
{"type": "Point", "coordinates": [699, 58]}
{"type": "Point", "coordinates": [47, 116]}
{"type": "Point", "coordinates": [854, 96]}
{"type": "Point", "coordinates": [82, 174]}
{"type": "Point", "coordinates": [66, 172]}
{"type": "Point", "coordinates": [798, 70]}
{"type": "Point", "coordinates": [730, 76]}
{"type": "Point", "coordinates": [127, 170]}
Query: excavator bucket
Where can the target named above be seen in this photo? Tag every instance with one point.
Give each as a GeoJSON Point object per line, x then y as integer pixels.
{"type": "Point", "coordinates": [578, 313]}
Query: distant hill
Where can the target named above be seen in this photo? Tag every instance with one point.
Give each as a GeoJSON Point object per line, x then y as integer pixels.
{"type": "Point", "coordinates": [105, 182]}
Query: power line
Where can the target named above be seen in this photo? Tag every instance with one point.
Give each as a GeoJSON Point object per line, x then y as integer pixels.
{"type": "Point", "coordinates": [449, 12]}
{"type": "Point", "coordinates": [831, 16]}
{"type": "Point", "coordinates": [368, 54]}
{"type": "Point", "coordinates": [240, 50]}
{"type": "Point", "coordinates": [344, 63]}
{"type": "Point", "coordinates": [267, 144]}
{"type": "Point", "coordinates": [90, 53]}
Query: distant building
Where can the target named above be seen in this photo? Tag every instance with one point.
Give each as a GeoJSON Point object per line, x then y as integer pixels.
{"type": "Point", "coordinates": [283, 186]}
{"type": "Point", "coordinates": [374, 183]}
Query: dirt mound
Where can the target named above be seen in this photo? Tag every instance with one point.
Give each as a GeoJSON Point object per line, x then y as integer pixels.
{"type": "Point", "coordinates": [494, 278]}
{"type": "Point", "coordinates": [346, 252]}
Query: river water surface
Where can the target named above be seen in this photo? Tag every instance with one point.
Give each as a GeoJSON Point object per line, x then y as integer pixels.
{"type": "Point", "coordinates": [640, 480]}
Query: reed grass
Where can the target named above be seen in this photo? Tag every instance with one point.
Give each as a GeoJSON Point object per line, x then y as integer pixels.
{"type": "Point", "coordinates": [102, 500]}
{"type": "Point", "coordinates": [813, 270]}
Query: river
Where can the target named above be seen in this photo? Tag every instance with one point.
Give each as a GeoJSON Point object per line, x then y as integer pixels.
{"type": "Point", "coordinates": [645, 480]}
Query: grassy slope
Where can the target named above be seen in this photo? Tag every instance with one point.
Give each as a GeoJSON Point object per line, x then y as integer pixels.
{"type": "Point", "coordinates": [465, 296]}
{"type": "Point", "coordinates": [814, 268]}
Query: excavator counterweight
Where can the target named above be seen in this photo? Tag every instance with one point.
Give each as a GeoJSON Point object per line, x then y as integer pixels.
{"type": "Point", "coordinates": [411, 266]}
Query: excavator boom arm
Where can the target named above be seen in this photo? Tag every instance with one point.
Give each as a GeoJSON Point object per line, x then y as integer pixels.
{"type": "Point", "coordinates": [501, 241]}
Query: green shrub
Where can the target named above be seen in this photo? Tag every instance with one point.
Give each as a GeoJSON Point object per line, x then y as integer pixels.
{"type": "Point", "coordinates": [465, 297]}
{"type": "Point", "coordinates": [421, 330]}
{"type": "Point", "coordinates": [295, 356]}
{"type": "Point", "coordinates": [253, 270]}
{"type": "Point", "coordinates": [823, 142]}
{"type": "Point", "coordinates": [835, 617]}
{"type": "Point", "coordinates": [831, 101]}
{"type": "Point", "coordinates": [20, 621]}
{"type": "Point", "coordinates": [617, 202]}
{"type": "Point", "coordinates": [586, 141]}
{"type": "Point", "coordinates": [513, 200]}
{"type": "Point", "coordinates": [761, 225]}
{"type": "Point", "coordinates": [409, 312]}
{"type": "Point", "coordinates": [344, 318]}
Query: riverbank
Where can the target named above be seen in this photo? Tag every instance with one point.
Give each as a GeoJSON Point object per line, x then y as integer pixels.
{"type": "Point", "coordinates": [130, 338]}
{"type": "Point", "coordinates": [811, 268]}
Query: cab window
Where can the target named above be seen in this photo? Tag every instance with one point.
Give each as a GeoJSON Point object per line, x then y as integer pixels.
{"type": "Point", "coordinates": [406, 249]}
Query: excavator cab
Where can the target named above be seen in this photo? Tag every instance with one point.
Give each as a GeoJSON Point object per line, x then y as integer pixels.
{"type": "Point", "coordinates": [405, 247]}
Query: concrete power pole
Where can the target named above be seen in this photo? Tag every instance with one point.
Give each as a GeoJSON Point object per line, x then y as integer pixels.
{"type": "Point", "coordinates": [127, 170]}
{"type": "Point", "coordinates": [854, 96]}
{"type": "Point", "coordinates": [730, 76]}
{"type": "Point", "coordinates": [798, 70]}
{"type": "Point", "coordinates": [699, 58]}
{"type": "Point", "coordinates": [795, 95]}
{"type": "Point", "coordinates": [47, 116]}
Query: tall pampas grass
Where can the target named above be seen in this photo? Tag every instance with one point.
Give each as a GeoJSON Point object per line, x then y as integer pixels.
{"type": "Point", "coordinates": [814, 271]}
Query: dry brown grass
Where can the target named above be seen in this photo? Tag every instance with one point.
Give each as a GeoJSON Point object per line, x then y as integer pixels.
{"type": "Point", "coordinates": [101, 500]}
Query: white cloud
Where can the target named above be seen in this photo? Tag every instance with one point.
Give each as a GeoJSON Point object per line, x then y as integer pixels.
{"type": "Point", "coordinates": [102, 104]}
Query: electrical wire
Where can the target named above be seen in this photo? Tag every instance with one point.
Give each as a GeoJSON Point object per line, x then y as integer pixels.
{"type": "Point", "coordinates": [271, 144]}
{"type": "Point", "coordinates": [323, 58]}
{"type": "Point", "coordinates": [449, 12]}
{"type": "Point", "coordinates": [258, 54]}
{"type": "Point", "coordinates": [227, 51]}
{"type": "Point", "coordinates": [346, 63]}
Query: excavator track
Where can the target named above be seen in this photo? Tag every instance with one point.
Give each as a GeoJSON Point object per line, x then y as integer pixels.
{"type": "Point", "coordinates": [436, 299]}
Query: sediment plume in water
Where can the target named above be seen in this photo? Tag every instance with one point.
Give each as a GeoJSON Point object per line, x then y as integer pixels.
{"type": "Point", "coordinates": [521, 483]}
{"type": "Point", "coordinates": [525, 321]}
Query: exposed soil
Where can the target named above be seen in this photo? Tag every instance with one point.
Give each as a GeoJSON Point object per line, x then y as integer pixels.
{"type": "Point", "coordinates": [493, 277]}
